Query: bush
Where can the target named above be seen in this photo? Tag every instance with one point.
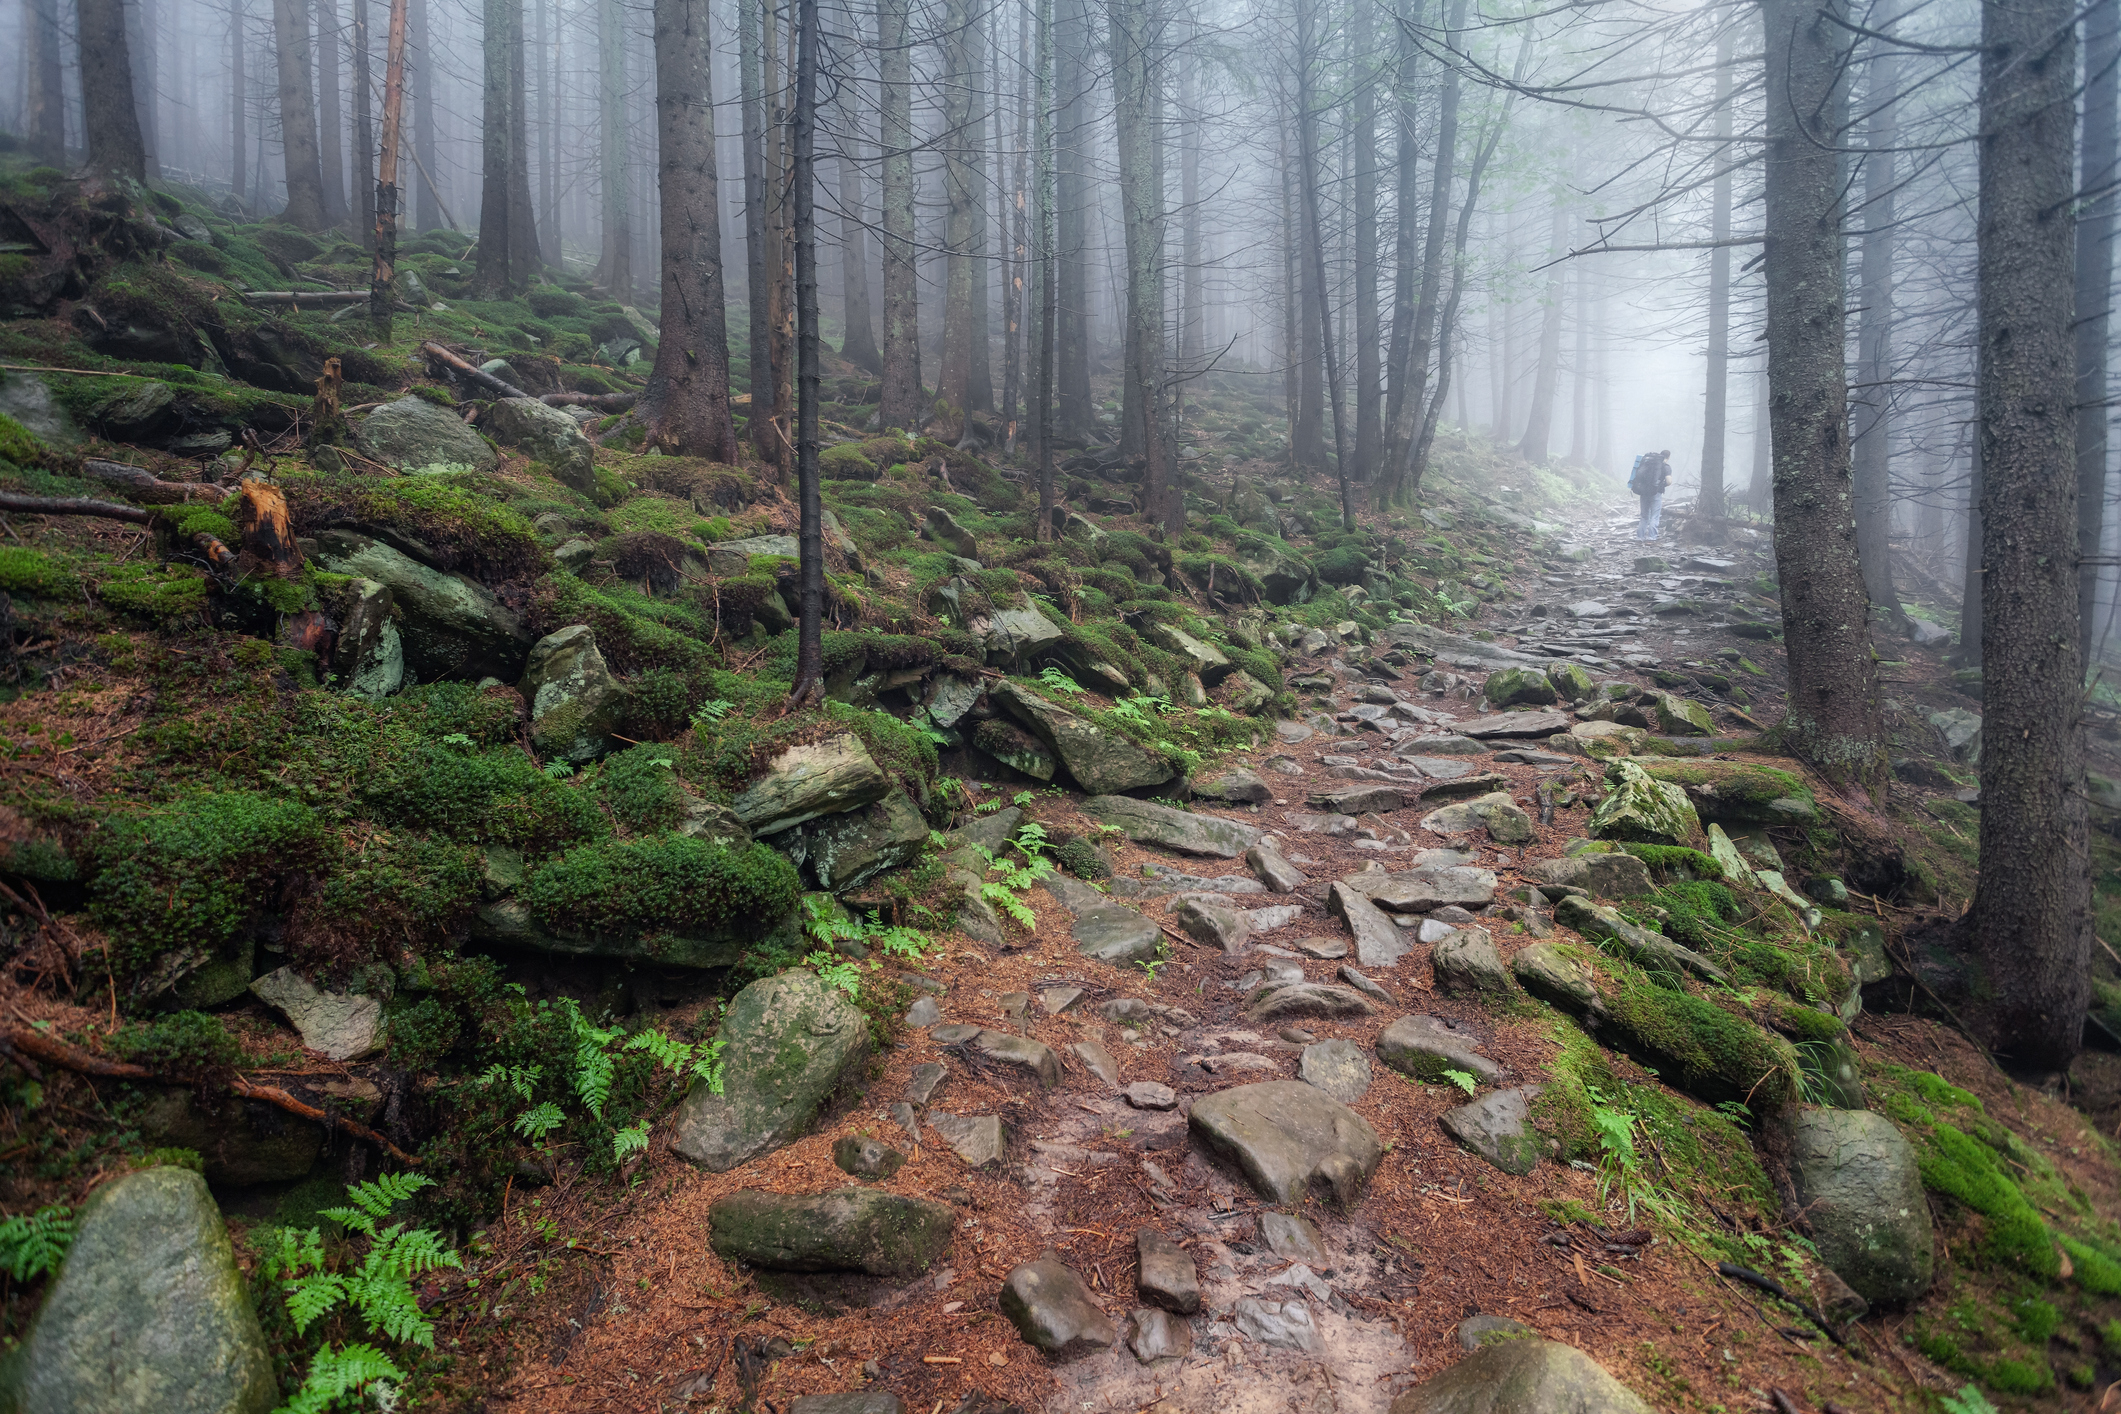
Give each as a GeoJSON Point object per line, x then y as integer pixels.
{"type": "Point", "coordinates": [671, 883]}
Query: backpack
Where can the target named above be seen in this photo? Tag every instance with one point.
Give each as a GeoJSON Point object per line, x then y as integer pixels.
{"type": "Point", "coordinates": [1635, 477]}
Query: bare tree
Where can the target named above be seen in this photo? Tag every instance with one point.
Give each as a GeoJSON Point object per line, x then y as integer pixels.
{"type": "Point", "coordinates": [1137, 98]}
{"type": "Point", "coordinates": [858, 343]}
{"type": "Point", "coordinates": [331, 127]}
{"type": "Point", "coordinates": [2095, 267]}
{"type": "Point", "coordinates": [1873, 480]}
{"type": "Point", "coordinates": [45, 115]}
{"type": "Point", "coordinates": [615, 268]}
{"type": "Point", "coordinates": [1708, 504]}
{"type": "Point", "coordinates": [382, 292]}
{"type": "Point", "coordinates": [961, 195]}
{"type": "Point", "coordinates": [903, 395]}
{"type": "Point", "coordinates": [809, 684]}
{"type": "Point", "coordinates": [298, 114]}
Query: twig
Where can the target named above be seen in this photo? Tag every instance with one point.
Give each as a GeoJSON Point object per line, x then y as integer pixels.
{"type": "Point", "coordinates": [1775, 1288]}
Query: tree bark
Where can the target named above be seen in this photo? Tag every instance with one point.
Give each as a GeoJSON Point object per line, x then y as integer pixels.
{"type": "Point", "coordinates": [2031, 918]}
{"type": "Point", "coordinates": [330, 126]}
{"type": "Point", "coordinates": [1579, 371]}
{"type": "Point", "coordinates": [979, 379]}
{"type": "Point", "coordinates": [298, 113]}
{"type": "Point", "coordinates": [1760, 487]}
{"type": "Point", "coordinates": [1137, 106]}
{"type": "Point", "coordinates": [780, 247]}
{"type": "Point", "coordinates": [758, 246]}
{"type": "Point", "coordinates": [364, 134]}
{"type": "Point", "coordinates": [1193, 314]}
{"type": "Point", "coordinates": [1307, 432]}
{"type": "Point", "coordinates": [238, 104]}
{"type": "Point", "coordinates": [1708, 505]}
{"type": "Point", "coordinates": [686, 402]}
{"type": "Point", "coordinates": [858, 342]}
{"type": "Point", "coordinates": [1047, 272]}
{"type": "Point", "coordinates": [810, 543]}
{"type": "Point", "coordinates": [140, 43]}
{"type": "Point", "coordinates": [525, 259]}
{"type": "Point", "coordinates": [1016, 317]}
{"type": "Point", "coordinates": [1873, 415]}
{"type": "Point", "coordinates": [114, 143]}
{"type": "Point", "coordinates": [615, 267]}
{"type": "Point", "coordinates": [384, 238]}
{"type": "Point", "coordinates": [508, 239]}
{"type": "Point", "coordinates": [960, 193]}
{"type": "Point", "coordinates": [1315, 244]}
{"type": "Point", "coordinates": [2094, 278]}
{"type": "Point", "coordinates": [903, 395]}
{"type": "Point", "coordinates": [45, 115]}
{"type": "Point", "coordinates": [1539, 425]}
{"type": "Point", "coordinates": [1369, 390]}
{"type": "Point", "coordinates": [1410, 414]}
{"type": "Point", "coordinates": [417, 39]}
{"type": "Point", "coordinates": [1077, 413]}
{"type": "Point", "coordinates": [1832, 720]}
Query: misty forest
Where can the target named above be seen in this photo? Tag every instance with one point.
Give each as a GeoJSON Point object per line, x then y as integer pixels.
{"type": "Point", "coordinates": [1014, 706]}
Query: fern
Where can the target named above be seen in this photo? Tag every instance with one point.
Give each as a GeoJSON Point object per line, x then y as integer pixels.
{"type": "Point", "coordinates": [335, 1374]}
{"type": "Point", "coordinates": [836, 971]}
{"type": "Point", "coordinates": [1969, 1400]}
{"type": "Point", "coordinates": [1462, 1079]}
{"type": "Point", "coordinates": [537, 1122]}
{"type": "Point", "coordinates": [708, 713]}
{"type": "Point", "coordinates": [1059, 681]}
{"type": "Point", "coordinates": [593, 1065]}
{"type": "Point", "coordinates": [373, 1201]}
{"type": "Point", "coordinates": [34, 1244]}
{"type": "Point", "coordinates": [1004, 898]}
{"type": "Point", "coordinates": [630, 1140]}
{"type": "Point", "coordinates": [522, 1079]}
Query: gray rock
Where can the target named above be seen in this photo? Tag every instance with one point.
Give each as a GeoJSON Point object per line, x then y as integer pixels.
{"type": "Point", "coordinates": [977, 1139]}
{"type": "Point", "coordinates": [804, 782]}
{"type": "Point", "coordinates": [1101, 762]}
{"type": "Point", "coordinates": [1158, 1335]}
{"type": "Point", "coordinates": [1443, 745]}
{"type": "Point", "coordinates": [1149, 1095]}
{"type": "Point", "coordinates": [843, 851]}
{"type": "Point", "coordinates": [1179, 830]}
{"type": "Point", "coordinates": [1609, 875]}
{"type": "Point", "coordinates": [1203, 660]}
{"type": "Point", "coordinates": [871, 1159]}
{"type": "Point", "coordinates": [942, 527]}
{"type": "Point", "coordinates": [1285, 1324]}
{"type": "Point", "coordinates": [1859, 1187]}
{"type": "Point", "coordinates": [1638, 807]}
{"type": "Point", "coordinates": [575, 702]}
{"type": "Point", "coordinates": [1466, 960]}
{"type": "Point", "coordinates": [368, 657]}
{"type": "Point", "coordinates": [950, 697]}
{"type": "Point", "coordinates": [1024, 1052]}
{"type": "Point", "coordinates": [792, 1042]}
{"type": "Point", "coordinates": [243, 1142]}
{"type": "Point", "coordinates": [339, 1025]}
{"type": "Point", "coordinates": [1329, 949]}
{"type": "Point", "coordinates": [863, 1401]}
{"type": "Point", "coordinates": [1098, 1061]}
{"type": "Point", "coordinates": [1052, 1310]}
{"type": "Point", "coordinates": [1236, 788]}
{"type": "Point", "coordinates": [847, 1230]}
{"type": "Point", "coordinates": [1364, 985]}
{"type": "Point", "coordinates": [1281, 1001]}
{"type": "Point", "coordinates": [1426, 887]}
{"type": "Point", "coordinates": [1287, 1138]}
{"type": "Point", "coordinates": [1377, 942]}
{"type": "Point", "coordinates": [1961, 731]}
{"type": "Point", "coordinates": [451, 626]}
{"type": "Point", "coordinates": [1337, 1067]}
{"type": "Point", "coordinates": [1558, 973]}
{"type": "Point", "coordinates": [1424, 1047]}
{"type": "Point", "coordinates": [1646, 949]}
{"type": "Point", "coordinates": [415, 435]}
{"type": "Point", "coordinates": [1522, 1377]}
{"type": "Point", "coordinates": [1212, 924]}
{"type": "Point", "coordinates": [924, 1013]}
{"type": "Point", "coordinates": [1276, 872]}
{"type": "Point", "coordinates": [1015, 748]}
{"type": "Point", "coordinates": [548, 435]}
{"type": "Point", "coordinates": [574, 555]}
{"type": "Point", "coordinates": [1165, 1275]}
{"type": "Point", "coordinates": [1498, 1127]}
{"type": "Point", "coordinates": [1508, 687]}
{"type": "Point", "coordinates": [1476, 1331]}
{"type": "Point", "coordinates": [1494, 812]}
{"type": "Point", "coordinates": [1295, 1238]}
{"type": "Point", "coordinates": [1362, 800]}
{"type": "Point", "coordinates": [922, 1084]}
{"type": "Point", "coordinates": [733, 557]}
{"type": "Point", "coordinates": [1115, 933]}
{"type": "Point", "coordinates": [1514, 724]}
{"type": "Point", "coordinates": [1292, 733]}
{"type": "Point", "coordinates": [149, 1311]}
{"type": "Point", "coordinates": [1055, 1000]}
{"type": "Point", "coordinates": [1929, 635]}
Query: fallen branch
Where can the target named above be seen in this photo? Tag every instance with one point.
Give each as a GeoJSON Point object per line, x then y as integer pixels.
{"type": "Point", "coordinates": [477, 375]}
{"type": "Point", "coordinates": [72, 506]}
{"type": "Point", "coordinates": [53, 1051]}
{"type": "Point", "coordinates": [1776, 1289]}
{"type": "Point", "coordinates": [602, 402]}
{"type": "Point", "coordinates": [144, 485]}
{"type": "Point", "coordinates": [300, 296]}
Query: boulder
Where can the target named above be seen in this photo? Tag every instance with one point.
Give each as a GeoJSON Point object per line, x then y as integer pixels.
{"type": "Point", "coordinates": [1274, 870]}
{"type": "Point", "coordinates": [1287, 1138]}
{"type": "Point", "coordinates": [792, 1042]}
{"type": "Point", "coordinates": [1498, 1127]}
{"type": "Point", "coordinates": [1738, 793]}
{"type": "Point", "coordinates": [1570, 683]}
{"type": "Point", "coordinates": [1182, 831]}
{"type": "Point", "coordinates": [451, 626]}
{"type": "Point", "coordinates": [852, 1229]}
{"type": "Point", "coordinates": [548, 435]}
{"type": "Point", "coordinates": [1427, 886]}
{"type": "Point", "coordinates": [1609, 875]}
{"type": "Point", "coordinates": [942, 528]}
{"type": "Point", "coordinates": [1115, 933]}
{"type": "Point", "coordinates": [1522, 1377]}
{"type": "Point", "coordinates": [728, 558]}
{"type": "Point", "coordinates": [1212, 924]}
{"type": "Point", "coordinates": [1150, 1095]}
{"type": "Point", "coordinates": [1098, 1061]}
{"type": "Point", "coordinates": [1239, 787]}
{"type": "Point", "coordinates": [1512, 724]}
{"type": "Point", "coordinates": [1285, 1324]}
{"type": "Point", "coordinates": [1281, 572]}
{"type": "Point", "coordinates": [1204, 660]}
{"type": "Point", "coordinates": [1052, 1310]}
{"type": "Point", "coordinates": [1653, 952]}
{"type": "Point", "coordinates": [1424, 1047]}
{"type": "Point", "coordinates": [148, 1313]}
{"type": "Point", "coordinates": [415, 435]}
{"type": "Point", "coordinates": [1015, 637]}
{"type": "Point", "coordinates": [1245, 695]}
{"type": "Point", "coordinates": [1101, 762]}
{"type": "Point", "coordinates": [804, 782]}
{"type": "Point", "coordinates": [1362, 800]}
{"type": "Point", "coordinates": [977, 1139]}
{"type": "Point", "coordinates": [865, 1158]}
{"type": "Point", "coordinates": [1284, 1001]}
{"type": "Point", "coordinates": [575, 702]}
{"type": "Point", "coordinates": [1158, 1335]}
{"type": "Point", "coordinates": [1677, 716]}
{"type": "Point", "coordinates": [1165, 1275]}
{"type": "Point", "coordinates": [846, 850]}
{"type": "Point", "coordinates": [1507, 687]}
{"type": "Point", "coordinates": [1859, 1186]}
{"type": "Point", "coordinates": [1558, 973]}
{"type": "Point", "coordinates": [1378, 941]}
{"type": "Point", "coordinates": [1337, 1067]}
{"type": "Point", "coordinates": [1961, 731]}
{"type": "Point", "coordinates": [1026, 1053]}
{"type": "Point", "coordinates": [336, 1024]}
{"type": "Point", "coordinates": [1015, 748]}
{"type": "Point", "coordinates": [1466, 961]}
{"type": "Point", "coordinates": [368, 656]}
{"type": "Point", "coordinates": [242, 1142]}
{"type": "Point", "coordinates": [1638, 807]}
{"type": "Point", "coordinates": [1495, 812]}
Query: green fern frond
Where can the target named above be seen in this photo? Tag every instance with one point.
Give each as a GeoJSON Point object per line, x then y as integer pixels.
{"type": "Point", "coordinates": [592, 1078]}
{"type": "Point", "coordinates": [336, 1373]}
{"type": "Point", "coordinates": [33, 1244]}
{"type": "Point", "coordinates": [707, 1064]}
{"type": "Point", "coordinates": [630, 1140]}
{"type": "Point", "coordinates": [539, 1120]}
{"type": "Point", "coordinates": [311, 1296]}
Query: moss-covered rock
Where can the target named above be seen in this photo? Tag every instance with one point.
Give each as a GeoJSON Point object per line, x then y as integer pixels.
{"type": "Point", "coordinates": [1637, 807]}
{"type": "Point", "coordinates": [416, 436]}
{"type": "Point", "coordinates": [575, 703]}
{"type": "Point", "coordinates": [687, 902]}
{"type": "Point", "coordinates": [849, 1230]}
{"type": "Point", "coordinates": [1701, 1048]}
{"type": "Point", "coordinates": [1506, 687]}
{"type": "Point", "coordinates": [791, 1043]}
{"type": "Point", "coordinates": [1859, 1183]}
{"type": "Point", "coordinates": [1738, 793]}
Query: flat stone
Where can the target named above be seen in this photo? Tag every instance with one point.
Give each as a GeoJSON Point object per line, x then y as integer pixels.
{"type": "Point", "coordinates": [1100, 761]}
{"type": "Point", "coordinates": [1098, 1061]}
{"type": "Point", "coordinates": [1609, 875]}
{"type": "Point", "coordinates": [871, 1159]}
{"type": "Point", "coordinates": [978, 1139]}
{"type": "Point", "coordinates": [1165, 1275]}
{"type": "Point", "coordinates": [955, 1034]}
{"type": "Point", "coordinates": [1149, 1095]}
{"type": "Point", "coordinates": [792, 1042]}
{"type": "Point", "coordinates": [1337, 1067]}
{"type": "Point", "coordinates": [1646, 949]}
{"type": "Point", "coordinates": [1639, 807]}
{"type": "Point", "coordinates": [1287, 1235]}
{"type": "Point", "coordinates": [1115, 933]}
{"type": "Point", "coordinates": [1362, 800]}
{"type": "Point", "coordinates": [1377, 942]}
{"type": "Point", "coordinates": [1515, 724]}
{"type": "Point", "coordinates": [1275, 871]}
{"type": "Point", "coordinates": [1235, 787]}
{"type": "Point", "coordinates": [1554, 972]}
{"type": "Point", "coordinates": [804, 782]}
{"type": "Point", "coordinates": [927, 1077]}
{"type": "Point", "coordinates": [1364, 985]}
{"type": "Point", "coordinates": [1158, 1335]}
{"type": "Point", "coordinates": [1053, 1311]}
{"type": "Point", "coordinates": [1329, 949]}
{"type": "Point", "coordinates": [847, 1230]}
{"type": "Point", "coordinates": [340, 1026]}
{"type": "Point", "coordinates": [1288, 1138]}
{"type": "Point", "coordinates": [1055, 1000]}
{"type": "Point", "coordinates": [1285, 1324]}
{"type": "Point", "coordinates": [1024, 1052]}
{"type": "Point", "coordinates": [1449, 744]}
{"type": "Point", "coordinates": [1437, 768]}
{"type": "Point", "coordinates": [416, 436]}
{"type": "Point", "coordinates": [1211, 924]}
{"type": "Point", "coordinates": [1421, 889]}
{"type": "Point", "coordinates": [1465, 960]}
{"type": "Point", "coordinates": [1183, 831]}
{"type": "Point", "coordinates": [1239, 1063]}
{"type": "Point", "coordinates": [1495, 812]}
{"type": "Point", "coordinates": [148, 1311]}
{"type": "Point", "coordinates": [1424, 1047]}
{"type": "Point", "coordinates": [924, 1013]}
{"type": "Point", "coordinates": [1282, 1001]}
{"type": "Point", "coordinates": [1498, 1127]}
{"type": "Point", "coordinates": [1522, 1377]}
{"type": "Point", "coordinates": [1292, 732]}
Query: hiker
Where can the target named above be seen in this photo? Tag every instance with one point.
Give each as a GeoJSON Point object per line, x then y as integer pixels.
{"type": "Point", "coordinates": [1652, 473]}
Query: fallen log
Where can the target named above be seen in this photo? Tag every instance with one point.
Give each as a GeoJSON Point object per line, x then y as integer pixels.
{"type": "Point", "coordinates": [602, 402]}
{"type": "Point", "coordinates": [217, 554]}
{"type": "Point", "coordinates": [477, 375]}
{"type": "Point", "coordinates": [53, 1051]}
{"type": "Point", "coordinates": [142, 484]}
{"type": "Point", "coordinates": [305, 297]}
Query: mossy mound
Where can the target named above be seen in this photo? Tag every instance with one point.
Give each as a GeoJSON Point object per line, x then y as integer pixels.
{"type": "Point", "coordinates": [1738, 793]}
{"type": "Point", "coordinates": [666, 883]}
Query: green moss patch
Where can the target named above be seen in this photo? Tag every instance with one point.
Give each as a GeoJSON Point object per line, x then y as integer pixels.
{"type": "Point", "coordinates": [669, 883]}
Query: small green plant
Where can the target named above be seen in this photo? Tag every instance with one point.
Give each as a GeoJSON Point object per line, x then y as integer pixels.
{"type": "Point", "coordinates": [1007, 892]}
{"type": "Point", "coordinates": [988, 807]}
{"type": "Point", "coordinates": [1021, 799]}
{"type": "Point", "coordinates": [1137, 709]}
{"type": "Point", "coordinates": [1153, 965]}
{"type": "Point", "coordinates": [1463, 1080]}
{"type": "Point", "coordinates": [559, 769]}
{"type": "Point", "coordinates": [1969, 1400]}
{"type": "Point", "coordinates": [34, 1244]}
{"type": "Point", "coordinates": [836, 971]}
{"type": "Point", "coordinates": [1059, 681]}
{"type": "Point", "coordinates": [458, 739]}
{"type": "Point", "coordinates": [708, 713]}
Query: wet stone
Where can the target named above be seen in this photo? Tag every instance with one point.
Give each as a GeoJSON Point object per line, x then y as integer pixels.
{"type": "Point", "coordinates": [1166, 1277]}
{"type": "Point", "coordinates": [866, 1158]}
{"type": "Point", "coordinates": [1158, 1335]}
{"type": "Point", "coordinates": [1498, 1127]}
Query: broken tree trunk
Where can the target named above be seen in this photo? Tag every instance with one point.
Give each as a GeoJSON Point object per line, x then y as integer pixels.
{"type": "Point", "coordinates": [477, 375]}
{"type": "Point", "coordinates": [267, 531]}
{"type": "Point", "coordinates": [142, 484]}
{"type": "Point", "coordinates": [602, 402]}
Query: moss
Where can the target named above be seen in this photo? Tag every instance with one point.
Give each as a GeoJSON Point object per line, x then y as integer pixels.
{"type": "Point", "coordinates": [667, 883]}
{"type": "Point", "coordinates": [35, 575]}
{"type": "Point", "coordinates": [184, 1044]}
{"type": "Point", "coordinates": [846, 462]}
{"type": "Point", "coordinates": [168, 594]}
{"type": "Point", "coordinates": [2097, 1269]}
{"type": "Point", "coordinates": [393, 888]}
{"type": "Point", "coordinates": [1668, 859]}
{"type": "Point", "coordinates": [1083, 859]}
{"type": "Point", "coordinates": [461, 518]}
{"type": "Point", "coordinates": [641, 788]}
{"type": "Point", "coordinates": [206, 522]}
{"type": "Point", "coordinates": [1731, 790]}
{"type": "Point", "coordinates": [19, 445]}
{"type": "Point", "coordinates": [1697, 912]}
{"type": "Point", "coordinates": [1340, 566]}
{"type": "Point", "coordinates": [496, 796]}
{"type": "Point", "coordinates": [1961, 1167]}
{"type": "Point", "coordinates": [634, 631]}
{"type": "Point", "coordinates": [1264, 666]}
{"type": "Point", "coordinates": [1704, 1049]}
{"type": "Point", "coordinates": [194, 873]}
{"type": "Point", "coordinates": [452, 709]}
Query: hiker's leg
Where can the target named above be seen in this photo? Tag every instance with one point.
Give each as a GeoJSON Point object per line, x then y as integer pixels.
{"type": "Point", "coordinates": [1642, 525]}
{"type": "Point", "coordinates": [1653, 514]}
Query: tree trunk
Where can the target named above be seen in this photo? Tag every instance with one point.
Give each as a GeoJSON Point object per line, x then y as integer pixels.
{"type": "Point", "coordinates": [979, 382]}
{"type": "Point", "coordinates": [758, 245]}
{"type": "Point", "coordinates": [364, 133]}
{"type": "Point", "coordinates": [960, 192]}
{"type": "Point", "coordinates": [1137, 104]}
{"type": "Point", "coordinates": [507, 239]}
{"type": "Point", "coordinates": [1072, 178]}
{"type": "Point", "coordinates": [140, 43]}
{"type": "Point", "coordinates": [1016, 318]}
{"type": "Point", "coordinates": [1192, 323]}
{"type": "Point", "coordinates": [418, 38]}
{"type": "Point", "coordinates": [1369, 391]}
{"type": "Point", "coordinates": [1832, 721]}
{"type": "Point", "coordinates": [1406, 271]}
{"type": "Point", "coordinates": [1411, 413]}
{"type": "Point", "coordinates": [686, 403]}
{"type": "Point", "coordinates": [810, 536]}
{"type": "Point", "coordinates": [45, 118]}
{"type": "Point", "coordinates": [1873, 414]}
{"type": "Point", "coordinates": [780, 248]}
{"type": "Point", "coordinates": [615, 267]}
{"type": "Point", "coordinates": [1760, 487]}
{"type": "Point", "coordinates": [525, 259]}
{"type": "Point", "coordinates": [298, 112]}
{"type": "Point", "coordinates": [2094, 278]}
{"type": "Point", "coordinates": [1047, 272]}
{"type": "Point", "coordinates": [1307, 433]}
{"type": "Point", "coordinates": [1579, 373]}
{"type": "Point", "coordinates": [330, 125]}
{"type": "Point", "coordinates": [2031, 919]}
{"type": "Point", "coordinates": [1708, 505]}
{"type": "Point", "coordinates": [1315, 242]}
{"type": "Point", "coordinates": [384, 238]}
{"type": "Point", "coordinates": [903, 395]}
{"type": "Point", "coordinates": [1291, 299]}
{"type": "Point", "coordinates": [238, 104]}
{"type": "Point", "coordinates": [858, 343]}
{"type": "Point", "coordinates": [1539, 426]}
